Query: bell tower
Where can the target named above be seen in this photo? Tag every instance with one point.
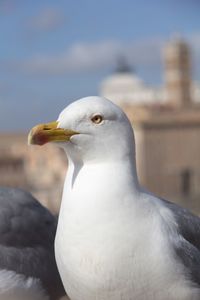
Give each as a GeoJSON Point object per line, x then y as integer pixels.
{"type": "Point", "coordinates": [177, 73]}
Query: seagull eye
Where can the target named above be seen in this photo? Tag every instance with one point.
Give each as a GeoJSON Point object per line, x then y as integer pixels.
{"type": "Point", "coordinates": [97, 119]}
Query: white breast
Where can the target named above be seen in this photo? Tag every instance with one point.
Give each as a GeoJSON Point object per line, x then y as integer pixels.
{"type": "Point", "coordinates": [118, 261]}
{"type": "Point", "coordinates": [116, 250]}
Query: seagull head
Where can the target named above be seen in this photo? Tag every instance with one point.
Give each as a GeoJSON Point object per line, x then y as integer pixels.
{"type": "Point", "coordinates": [90, 129]}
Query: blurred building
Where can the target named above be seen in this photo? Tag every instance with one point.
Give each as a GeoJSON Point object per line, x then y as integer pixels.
{"type": "Point", "coordinates": [40, 170]}
{"type": "Point", "coordinates": [167, 130]}
{"type": "Point", "coordinates": [125, 87]}
{"type": "Point", "coordinates": [167, 125]}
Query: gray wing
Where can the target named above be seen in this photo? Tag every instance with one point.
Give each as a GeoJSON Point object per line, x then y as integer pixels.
{"type": "Point", "coordinates": [27, 232]}
{"type": "Point", "coordinates": [187, 247]}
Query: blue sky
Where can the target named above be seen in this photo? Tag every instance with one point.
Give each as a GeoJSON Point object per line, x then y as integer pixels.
{"type": "Point", "coordinates": [53, 52]}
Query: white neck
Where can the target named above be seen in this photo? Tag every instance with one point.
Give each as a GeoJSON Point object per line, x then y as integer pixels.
{"type": "Point", "coordinates": [92, 187]}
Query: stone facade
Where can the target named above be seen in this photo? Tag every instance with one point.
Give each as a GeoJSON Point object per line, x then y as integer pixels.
{"type": "Point", "coordinates": [178, 83]}
{"type": "Point", "coordinates": [167, 152]}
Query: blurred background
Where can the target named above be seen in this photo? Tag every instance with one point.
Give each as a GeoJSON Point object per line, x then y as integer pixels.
{"type": "Point", "coordinates": [144, 56]}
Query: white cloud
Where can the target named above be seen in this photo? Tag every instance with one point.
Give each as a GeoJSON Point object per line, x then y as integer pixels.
{"type": "Point", "coordinates": [80, 57]}
{"type": "Point", "coordinates": [83, 57]}
{"type": "Point", "coordinates": [94, 56]}
{"type": "Point", "coordinates": [46, 20]}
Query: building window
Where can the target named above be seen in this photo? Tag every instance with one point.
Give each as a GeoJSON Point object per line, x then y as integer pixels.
{"type": "Point", "coordinates": [186, 182]}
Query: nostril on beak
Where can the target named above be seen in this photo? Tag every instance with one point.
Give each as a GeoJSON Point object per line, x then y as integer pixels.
{"type": "Point", "coordinates": [46, 127]}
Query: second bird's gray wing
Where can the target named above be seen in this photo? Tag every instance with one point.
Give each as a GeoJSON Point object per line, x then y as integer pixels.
{"type": "Point", "coordinates": [27, 232]}
{"type": "Point", "coordinates": [187, 245]}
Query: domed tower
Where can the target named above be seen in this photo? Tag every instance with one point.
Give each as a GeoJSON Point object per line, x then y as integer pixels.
{"type": "Point", "coordinates": [123, 86]}
{"type": "Point", "coordinates": [177, 73]}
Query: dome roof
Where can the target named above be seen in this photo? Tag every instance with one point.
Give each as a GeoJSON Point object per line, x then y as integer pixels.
{"type": "Point", "coordinates": [126, 88]}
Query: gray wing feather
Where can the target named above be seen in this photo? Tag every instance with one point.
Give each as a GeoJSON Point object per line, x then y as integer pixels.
{"type": "Point", "coordinates": [187, 247]}
{"type": "Point", "coordinates": [188, 223]}
{"type": "Point", "coordinates": [27, 232]}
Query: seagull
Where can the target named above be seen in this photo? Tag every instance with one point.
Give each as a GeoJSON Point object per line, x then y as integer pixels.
{"type": "Point", "coordinates": [115, 240]}
{"type": "Point", "coordinates": [28, 269]}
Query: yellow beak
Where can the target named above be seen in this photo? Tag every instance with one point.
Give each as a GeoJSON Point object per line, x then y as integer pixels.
{"type": "Point", "coordinates": [50, 132]}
